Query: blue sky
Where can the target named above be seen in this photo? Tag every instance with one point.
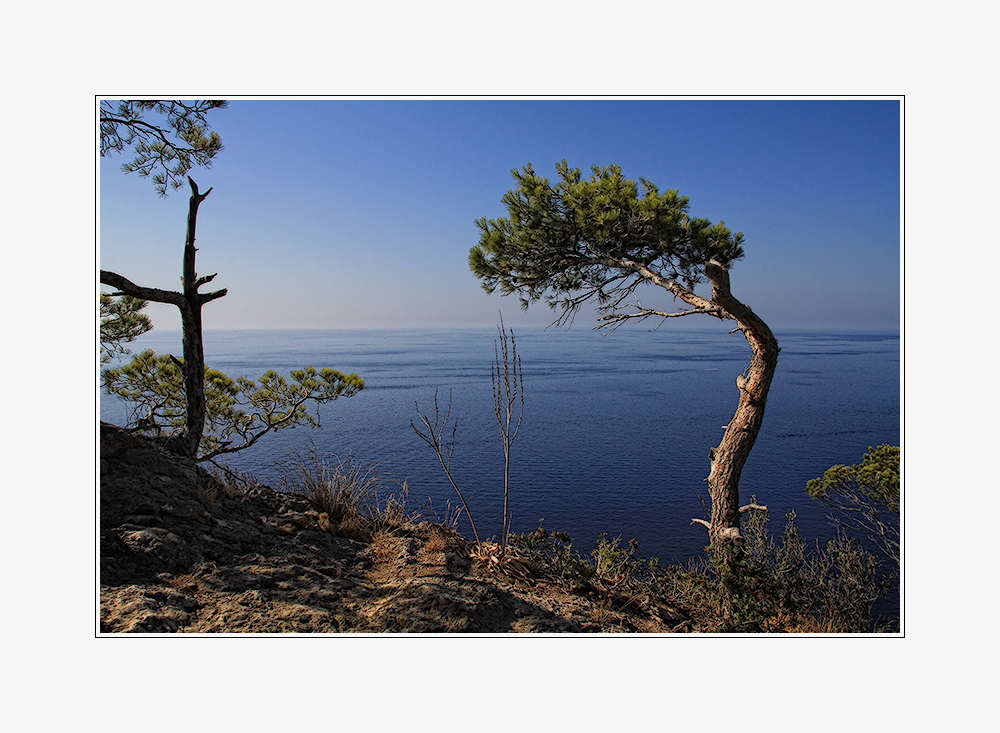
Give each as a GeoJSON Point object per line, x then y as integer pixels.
{"type": "Point", "coordinates": [360, 213]}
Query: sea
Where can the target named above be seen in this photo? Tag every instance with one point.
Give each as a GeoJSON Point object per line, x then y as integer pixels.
{"type": "Point", "coordinates": [616, 426]}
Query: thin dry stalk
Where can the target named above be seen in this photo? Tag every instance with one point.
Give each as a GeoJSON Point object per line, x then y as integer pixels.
{"type": "Point", "coordinates": [505, 397]}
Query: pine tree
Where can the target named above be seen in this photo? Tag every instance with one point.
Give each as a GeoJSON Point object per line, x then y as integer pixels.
{"type": "Point", "coordinates": [168, 147]}
{"type": "Point", "coordinates": [576, 241]}
{"type": "Point", "coordinates": [181, 396]}
{"type": "Point", "coordinates": [173, 391]}
{"type": "Point", "coordinates": [121, 322]}
{"type": "Point", "coordinates": [866, 496]}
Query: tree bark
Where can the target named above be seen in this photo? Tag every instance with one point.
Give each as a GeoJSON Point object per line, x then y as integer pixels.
{"type": "Point", "coordinates": [189, 303]}
{"type": "Point", "coordinates": [729, 457]}
{"type": "Point", "coordinates": [191, 334]}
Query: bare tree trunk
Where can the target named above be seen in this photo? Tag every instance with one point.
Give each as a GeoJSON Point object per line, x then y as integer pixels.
{"type": "Point", "coordinates": [194, 350]}
{"type": "Point", "coordinates": [189, 303]}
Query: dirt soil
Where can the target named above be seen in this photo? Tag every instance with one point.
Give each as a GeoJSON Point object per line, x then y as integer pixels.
{"type": "Point", "coordinates": [180, 554]}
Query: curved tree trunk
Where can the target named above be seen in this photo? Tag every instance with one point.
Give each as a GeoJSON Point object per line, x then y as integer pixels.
{"type": "Point", "coordinates": [731, 454]}
{"type": "Point", "coordinates": [729, 457]}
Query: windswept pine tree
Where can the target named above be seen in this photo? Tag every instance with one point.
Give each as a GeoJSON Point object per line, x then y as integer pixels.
{"type": "Point", "coordinates": [576, 241]}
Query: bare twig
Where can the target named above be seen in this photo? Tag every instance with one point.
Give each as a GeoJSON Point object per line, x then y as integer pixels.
{"type": "Point", "coordinates": [433, 438]}
{"type": "Point", "coordinates": [643, 312]}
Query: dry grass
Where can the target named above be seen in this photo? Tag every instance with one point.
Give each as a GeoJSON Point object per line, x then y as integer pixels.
{"type": "Point", "coordinates": [503, 560]}
{"type": "Point", "coordinates": [601, 613]}
{"type": "Point", "coordinates": [235, 484]}
{"type": "Point", "coordinates": [351, 494]}
{"type": "Point", "coordinates": [787, 623]}
{"type": "Point", "coordinates": [208, 494]}
{"type": "Point", "coordinates": [436, 541]}
{"type": "Point", "coordinates": [383, 545]}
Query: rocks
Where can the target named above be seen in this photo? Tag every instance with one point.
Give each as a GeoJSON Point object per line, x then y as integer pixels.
{"type": "Point", "coordinates": [180, 554]}
{"type": "Point", "coordinates": [436, 605]}
{"type": "Point", "coordinates": [163, 547]}
{"type": "Point", "coordinates": [138, 609]}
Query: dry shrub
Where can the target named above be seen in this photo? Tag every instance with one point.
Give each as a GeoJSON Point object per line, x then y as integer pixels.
{"type": "Point", "coordinates": [436, 541]}
{"type": "Point", "coordinates": [208, 494]}
{"type": "Point", "coordinates": [383, 545]}
{"type": "Point", "coordinates": [349, 493]}
{"type": "Point", "coordinates": [502, 559]}
{"type": "Point", "coordinates": [235, 483]}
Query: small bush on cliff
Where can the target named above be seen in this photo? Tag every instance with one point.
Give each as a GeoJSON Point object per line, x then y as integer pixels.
{"type": "Point", "coordinates": [865, 497]}
{"type": "Point", "coordinates": [554, 551]}
{"type": "Point", "coordinates": [783, 587]}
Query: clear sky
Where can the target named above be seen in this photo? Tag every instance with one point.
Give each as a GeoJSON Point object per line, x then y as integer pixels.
{"type": "Point", "coordinates": [360, 213]}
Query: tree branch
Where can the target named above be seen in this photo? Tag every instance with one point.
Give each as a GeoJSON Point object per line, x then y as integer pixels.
{"type": "Point", "coordinates": [750, 323]}
{"type": "Point", "coordinates": [128, 287]}
{"type": "Point", "coordinates": [207, 297]}
{"type": "Point", "coordinates": [151, 129]}
{"type": "Point", "coordinates": [642, 313]}
{"type": "Point", "coordinates": [731, 534]}
{"type": "Point", "coordinates": [668, 284]}
{"type": "Point", "coordinates": [267, 425]}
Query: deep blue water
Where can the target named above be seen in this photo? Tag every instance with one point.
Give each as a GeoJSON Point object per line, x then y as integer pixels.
{"type": "Point", "coordinates": [616, 429]}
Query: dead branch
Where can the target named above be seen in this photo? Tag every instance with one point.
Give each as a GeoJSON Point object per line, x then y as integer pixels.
{"type": "Point", "coordinates": [643, 312]}
{"type": "Point", "coordinates": [727, 534]}
{"type": "Point", "coordinates": [128, 287]}
{"type": "Point", "coordinates": [433, 438]}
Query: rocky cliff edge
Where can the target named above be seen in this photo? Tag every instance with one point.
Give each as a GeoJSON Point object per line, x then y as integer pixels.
{"type": "Point", "coordinates": [181, 553]}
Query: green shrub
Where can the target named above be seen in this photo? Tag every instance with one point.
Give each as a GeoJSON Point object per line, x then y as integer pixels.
{"type": "Point", "coordinates": [766, 586]}
{"type": "Point", "coordinates": [553, 550]}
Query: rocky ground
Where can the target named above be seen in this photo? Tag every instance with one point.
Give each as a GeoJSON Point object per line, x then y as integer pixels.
{"type": "Point", "coordinates": [181, 553]}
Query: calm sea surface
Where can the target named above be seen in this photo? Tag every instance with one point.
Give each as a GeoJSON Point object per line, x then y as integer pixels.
{"type": "Point", "coordinates": [616, 429]}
